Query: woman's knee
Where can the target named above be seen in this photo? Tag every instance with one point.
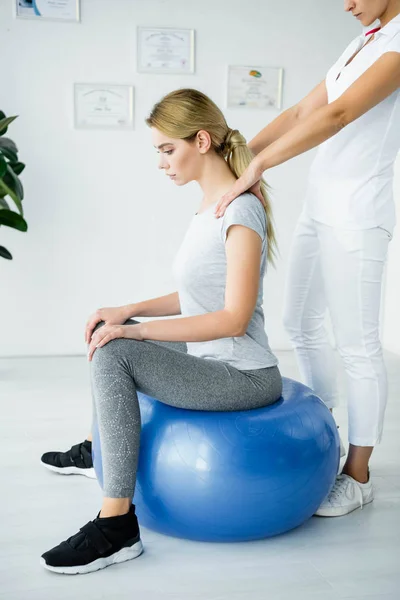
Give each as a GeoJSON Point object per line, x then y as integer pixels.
{"type": "Point", "coordinates": [120, 352]}
{"type": "Point", "coordinates": [109, 356]}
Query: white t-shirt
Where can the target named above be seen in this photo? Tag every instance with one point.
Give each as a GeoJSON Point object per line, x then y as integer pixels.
{"type": "Point", "coordinates": [351, 178]}
{"type": "Point", "coordinates": [200, 273]}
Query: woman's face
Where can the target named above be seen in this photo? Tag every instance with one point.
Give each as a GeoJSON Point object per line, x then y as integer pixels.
{"type": "Point", "coordinates": [366, 11]}
{"type": "Point", "coordinates": [180, 160]}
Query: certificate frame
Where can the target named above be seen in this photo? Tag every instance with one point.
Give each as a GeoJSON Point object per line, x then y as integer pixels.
{"type": "Point", "coordinates": [254, 87]}
{"type": "Point", "coordinates": [106, 106]}
{"type": "Point", "coordinates": [143, 66]}
{"type": "Point", "coordinates": [29, 9]}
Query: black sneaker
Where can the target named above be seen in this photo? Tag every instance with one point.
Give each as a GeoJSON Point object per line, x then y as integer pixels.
{"type": "Point", "coordinates": [76, 461]}
{"type": "Point", "coordinates": [97, 545]}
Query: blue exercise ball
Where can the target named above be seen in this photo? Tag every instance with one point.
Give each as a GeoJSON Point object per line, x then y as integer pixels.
{"type": "Point", "coordinates": [233, 476]}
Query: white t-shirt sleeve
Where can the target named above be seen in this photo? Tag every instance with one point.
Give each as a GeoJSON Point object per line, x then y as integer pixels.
{"type": "Point", "coordinates": [394, 44]}
{"type": "Point", "coordinates": [248, 211]}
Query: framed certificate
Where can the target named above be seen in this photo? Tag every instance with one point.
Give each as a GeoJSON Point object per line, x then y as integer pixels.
{"type": "Point", "coordinates": [103, 106]}
{"type": "Point", "coordinates": [255, 87]}
{"type": "Point", "coordinates": [164, 50]}
{"type": "Point", "coordinates": [57, 10]}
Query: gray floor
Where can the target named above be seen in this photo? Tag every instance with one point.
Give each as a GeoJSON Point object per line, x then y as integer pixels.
{"type": "Point", "coordinates": [45, 405]}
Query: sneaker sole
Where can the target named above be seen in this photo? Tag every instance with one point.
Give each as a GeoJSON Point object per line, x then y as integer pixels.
{"type": "Point", "coordinates": [101, 563]}
{"type": "Point", "coordinates": [71, 470]}
{"type": "Point", "coordinates": [340, 511]}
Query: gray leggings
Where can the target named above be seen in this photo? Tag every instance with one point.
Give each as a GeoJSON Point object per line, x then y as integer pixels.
{"type": "Point", "coordinates": [164, 371]}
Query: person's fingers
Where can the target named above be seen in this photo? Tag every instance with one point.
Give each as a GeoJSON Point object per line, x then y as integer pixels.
{"type": "Point", "coordinates": [91, 351]}
{"type": "Point", "coordinates": [95, 340]}
{"type": "Point", "coordinates": [241, 185]}
{"type": "Point", "coordinates": [107, 338]}
{"type": "Point", "coordinates": [221, 211]}
{"type": "Point", "coordinates": [99, 334]}
{"type": "Point", "coordinates": [223, 204]}
{"type": "Point", "coordinates": [88, 328]}
{"type": "Point", "coordinates": [91, 324]}
{"type": "Point", "coordinates": [102, 337]}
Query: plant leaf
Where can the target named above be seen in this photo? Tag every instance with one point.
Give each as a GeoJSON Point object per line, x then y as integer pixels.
{"type": "Point", "coordinates": [9, 145]}
{"type": "Point", "coordinates": [12, 157]}
{"type": "Point", "coordinates": [13, 186]}
{"type": "Point", "coordinates": [4, 204]}
{"type": "Point", "coordinates": [15, 183]}
{"type": "Point", "coordinates": [9, 218]}
{"type": "Point", "coordinates": [9, 149]}
{"type": "Point", "coordinates": [17, 167]}
{"type": "Point", "coordinates": [3, 166]}
{"type": "Point", "coordinates": [5, 253]}
{"type": "Point", "coordinates": [6, 190]}
{"type": "Point", "coordinates": [4, 122]}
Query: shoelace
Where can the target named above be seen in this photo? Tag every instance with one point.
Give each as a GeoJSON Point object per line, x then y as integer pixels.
{"type": "Point", "coordinates": [341, 484]}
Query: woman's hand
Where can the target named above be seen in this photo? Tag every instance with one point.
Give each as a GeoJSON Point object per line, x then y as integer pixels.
{"type": "Point", "coordinates": [249, 181]}
{"type": "Point", "coordinates": [105, 334]}
{"type": "Point", "coordinates": [111, 316]}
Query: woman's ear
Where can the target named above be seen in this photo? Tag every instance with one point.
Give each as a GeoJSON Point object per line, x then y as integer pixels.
{"type": "Point", "coordinates": [203, 141]}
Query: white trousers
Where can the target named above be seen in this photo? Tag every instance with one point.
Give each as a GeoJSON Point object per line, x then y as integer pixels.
{"type": "Point", "coordinates": [340, 270]}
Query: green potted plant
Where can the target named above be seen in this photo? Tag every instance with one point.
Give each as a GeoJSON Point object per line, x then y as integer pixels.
{"type": "Point", "coordinates": [10, 184]}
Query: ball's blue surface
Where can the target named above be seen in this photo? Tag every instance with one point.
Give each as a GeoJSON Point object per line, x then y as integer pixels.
{"type": "Point", "coordinates": [233, 476]}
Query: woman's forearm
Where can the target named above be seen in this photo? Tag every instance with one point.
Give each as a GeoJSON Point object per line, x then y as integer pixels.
{"type": "Point", "coordinates": [318, 127]}
{"type": "Point", "coordinates": [274, 130]}
{"type": "Point", "coordinates": [163, 306]}
{"type": "Point", "coordinates": [201, 328]}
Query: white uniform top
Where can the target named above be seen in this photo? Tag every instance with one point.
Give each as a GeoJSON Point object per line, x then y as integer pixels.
{"type": "Point", "coordinates": [351, 178]}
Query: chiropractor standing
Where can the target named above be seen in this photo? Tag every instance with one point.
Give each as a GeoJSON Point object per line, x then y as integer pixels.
{"type": "Point", "coordinates": [341, 240]}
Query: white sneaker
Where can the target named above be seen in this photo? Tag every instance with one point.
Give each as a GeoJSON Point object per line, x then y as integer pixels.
{"type": "Point", "coordinates": [347, 495]}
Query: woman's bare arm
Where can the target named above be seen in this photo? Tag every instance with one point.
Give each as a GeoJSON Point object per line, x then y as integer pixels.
{"type": "Point", "coordinates": [163, 306]}
{"type": "Point", "coordinates": [116, 315]}
{"type": "Point", "coordinates": [291, 117]}
{"type": "Point", "coordinates": [372, 87]}
{"type": "Point", "coordinates": [243, 252]}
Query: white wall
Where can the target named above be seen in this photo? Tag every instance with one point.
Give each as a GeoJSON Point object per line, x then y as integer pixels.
{"type": "Point", "coordinates": [391, 304]}
{"type": "Point", "coordinates": [104, 225]}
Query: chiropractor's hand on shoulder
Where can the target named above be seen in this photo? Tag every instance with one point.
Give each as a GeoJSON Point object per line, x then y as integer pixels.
{"type": "Point", "coordinates": [108, 332]}
{"type": "Point", "coordinates": [248, 181]}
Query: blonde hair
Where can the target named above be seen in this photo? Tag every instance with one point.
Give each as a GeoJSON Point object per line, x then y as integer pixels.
{"type": "Point", "coordinates": [183, 113]}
